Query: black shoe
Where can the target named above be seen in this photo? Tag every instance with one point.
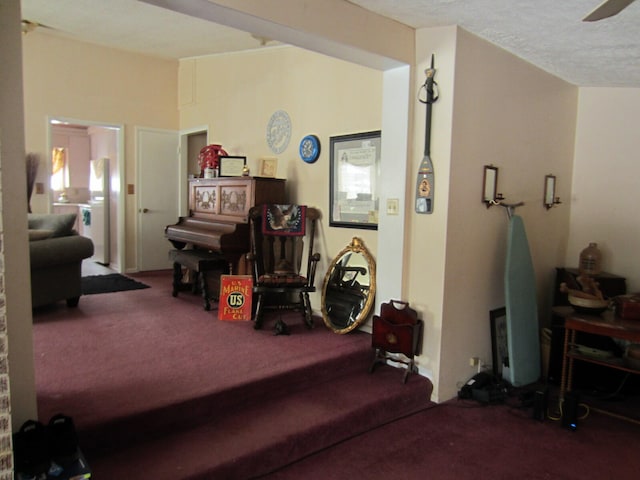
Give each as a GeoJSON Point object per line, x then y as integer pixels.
{"type": "Point", "coordinates": [63, 440]}
{"type": "Point", "coordinates": [31, 449]}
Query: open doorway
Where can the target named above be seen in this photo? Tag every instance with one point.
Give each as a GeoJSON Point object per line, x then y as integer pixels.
{"type": "Point", "coordinates": [191, 142]}
{"type": "Point", "coordinates": [84, 178]}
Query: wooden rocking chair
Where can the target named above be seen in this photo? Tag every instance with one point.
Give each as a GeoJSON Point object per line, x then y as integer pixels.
{"type": "Point", "coordinates": [278, 234]}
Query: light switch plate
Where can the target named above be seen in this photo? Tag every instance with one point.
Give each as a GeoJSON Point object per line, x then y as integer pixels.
{"type": "Point", "coordinates": [393, 205]}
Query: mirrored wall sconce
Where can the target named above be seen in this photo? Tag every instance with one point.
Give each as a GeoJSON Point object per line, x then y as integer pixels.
{"type": "Point", "coordinates": [550, 199]}
{"type": "Point", "coordinates": [490, 195]}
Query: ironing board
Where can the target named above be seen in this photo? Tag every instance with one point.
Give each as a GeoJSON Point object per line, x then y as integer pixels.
{"type": "Point", "coordinates": [521, 307]}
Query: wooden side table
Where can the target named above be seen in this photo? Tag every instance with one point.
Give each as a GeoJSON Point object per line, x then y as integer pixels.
{"type": "Point", "coordinates": [611, 286]}
{"type": "Point", "coordinates": [606, 325]}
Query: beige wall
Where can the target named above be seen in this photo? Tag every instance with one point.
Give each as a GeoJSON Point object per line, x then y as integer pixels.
{"type": "Point", "coordinates": [235, 95]}
{"type": "Point", "coordinates": [425, 260]}
{"type": "Point", "coordinates": [494, 109]}
{"type": "Point", "coordinates": [15, 294]}
{"type": "Point", "coordinates": [605, 181]}
{"type": "Point", "coordinates": [80, 81]}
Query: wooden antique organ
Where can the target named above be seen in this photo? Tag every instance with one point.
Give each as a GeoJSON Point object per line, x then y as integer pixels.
{"type": "Point", "coordinates": [218, 219]}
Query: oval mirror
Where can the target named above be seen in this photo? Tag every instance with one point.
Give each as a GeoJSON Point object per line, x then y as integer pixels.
{"type": "Point", "coordinates": [349, 288]}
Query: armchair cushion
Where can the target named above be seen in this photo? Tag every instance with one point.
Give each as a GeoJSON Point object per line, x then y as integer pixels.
{"type": "Point", "coordinates": [60, 224]}
{"type": "Point", "coordinates": [59, 251]}
{"type": "Point", "coordinates": [35, 235]}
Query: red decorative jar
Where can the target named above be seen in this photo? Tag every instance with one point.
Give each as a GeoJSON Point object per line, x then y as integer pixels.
{"type": "Point", "coordinates": [209, 157]}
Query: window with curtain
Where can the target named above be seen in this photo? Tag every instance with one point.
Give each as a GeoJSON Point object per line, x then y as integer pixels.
{"type": "Point", "coordinates": [59, 169]}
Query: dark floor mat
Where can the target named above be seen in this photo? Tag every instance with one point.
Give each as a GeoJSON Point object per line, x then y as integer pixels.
{"type": "Point", "coordinates": [113, 282]}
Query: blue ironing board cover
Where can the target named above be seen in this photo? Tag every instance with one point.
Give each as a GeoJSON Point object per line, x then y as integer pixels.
{"type": "Point", "coordinates": [521, 305]}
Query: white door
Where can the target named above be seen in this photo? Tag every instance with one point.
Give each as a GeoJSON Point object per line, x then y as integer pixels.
{"type": "Point", "coordinates": [158, 185]}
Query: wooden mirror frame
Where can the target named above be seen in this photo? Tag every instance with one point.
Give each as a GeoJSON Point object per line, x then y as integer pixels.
{"type": "Point", "coordinates": [355, 247]}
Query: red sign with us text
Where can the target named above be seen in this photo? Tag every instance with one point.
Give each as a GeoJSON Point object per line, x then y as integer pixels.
{"type": "Point", "coordinates": [235, 297]}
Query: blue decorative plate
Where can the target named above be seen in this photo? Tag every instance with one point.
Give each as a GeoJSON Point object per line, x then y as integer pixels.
{"type": "Point", "coordinates": [310, 148]}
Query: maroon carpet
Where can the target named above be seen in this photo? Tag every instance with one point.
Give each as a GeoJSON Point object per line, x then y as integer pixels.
{"type": "Point", "coordinates": [123, 353]}
{"type": "Point", "coordinates": [159, 388]}
{"type": "Point", "coordinates": [464, 441]}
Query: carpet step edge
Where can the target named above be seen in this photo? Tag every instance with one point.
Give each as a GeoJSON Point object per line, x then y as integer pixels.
{"type": "Point", "coordinates": [128, 429]}
{"type": "Point", "coordinates": [237, 446]}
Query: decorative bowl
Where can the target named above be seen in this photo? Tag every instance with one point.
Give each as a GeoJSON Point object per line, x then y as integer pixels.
{"type": "Point", "coordinates": [590, 306]}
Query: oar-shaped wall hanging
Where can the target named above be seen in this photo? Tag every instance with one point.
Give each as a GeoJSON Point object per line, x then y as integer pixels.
{"type": "Point", "coordinates": [425, 181]}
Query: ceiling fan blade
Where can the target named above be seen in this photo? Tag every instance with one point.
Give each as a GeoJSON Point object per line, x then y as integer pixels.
{"type": "Point", "coordinates": [607, 9]}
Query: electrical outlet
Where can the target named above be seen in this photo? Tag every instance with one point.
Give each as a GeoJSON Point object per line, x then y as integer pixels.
{"type": "Point", "coordinates": [474, 361]}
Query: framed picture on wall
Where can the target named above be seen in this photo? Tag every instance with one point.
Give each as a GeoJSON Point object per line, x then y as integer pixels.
{"type": "Point", "coordinates": [353, 180]}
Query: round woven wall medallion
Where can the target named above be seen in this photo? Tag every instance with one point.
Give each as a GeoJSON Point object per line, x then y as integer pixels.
{"type": "Point", "coordinates": [279, 131]}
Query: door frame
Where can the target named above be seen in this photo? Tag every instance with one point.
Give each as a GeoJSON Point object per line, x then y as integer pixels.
{"type": "Point", "coordinates": [120, 184]}
{"type": "Point", "coordinates": [183, 187]}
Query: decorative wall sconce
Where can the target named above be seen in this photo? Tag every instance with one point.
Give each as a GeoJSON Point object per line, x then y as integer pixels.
{"type": "Point", "coordinates": [550, 199]}
{"type": "Point", "coordinates": [490, 195]}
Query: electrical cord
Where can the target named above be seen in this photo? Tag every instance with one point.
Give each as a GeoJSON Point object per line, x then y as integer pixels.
{"type": "Point", "coordinates": [558, 415]}
{"type": "Point", "coordinates": [556, 418]}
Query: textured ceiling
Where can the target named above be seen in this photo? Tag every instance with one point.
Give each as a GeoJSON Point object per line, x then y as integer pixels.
{"type": "Point", "coordinates": [546, 33]}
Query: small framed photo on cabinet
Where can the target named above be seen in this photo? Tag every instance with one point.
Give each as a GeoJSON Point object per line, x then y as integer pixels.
{"type": "Point", "coordinates": [268, 167]}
